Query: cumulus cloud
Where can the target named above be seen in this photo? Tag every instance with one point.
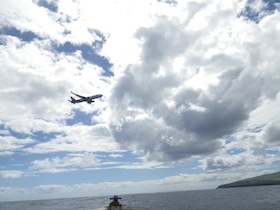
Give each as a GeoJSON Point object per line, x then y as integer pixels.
{"type": "Point", "coordinates": [153, 103]}
{"type": "Point", "coordinates": [94, 138]}
{"type": "Point", "coordinates": [271, 133]}
{"type": "Point", "coordinates": [67, 163]}
{"type": "Point", "coordinates": [233, 162]}
{"type": "Point", "coordinates": [10, 144]}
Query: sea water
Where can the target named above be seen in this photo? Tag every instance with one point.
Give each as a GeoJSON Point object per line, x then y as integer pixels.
{"type": "Point", "coordinates": [244, 198]}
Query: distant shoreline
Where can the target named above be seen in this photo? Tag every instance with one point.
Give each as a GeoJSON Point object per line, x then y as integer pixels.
{"type": "Point", "coordinates": [234, 186]}
{"type": "Point", "coordinates": [263, 180]}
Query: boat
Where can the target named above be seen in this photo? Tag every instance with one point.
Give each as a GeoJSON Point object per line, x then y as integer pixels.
{"type": "Point", "coordinates": [116, 205]}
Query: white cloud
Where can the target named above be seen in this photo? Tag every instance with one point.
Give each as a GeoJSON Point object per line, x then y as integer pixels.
{"type": "Point", "coordinates": [11, 144]}
{"type": "Point", "coordinates": [67, 163]}
{"type": "Point", "coordinates": [217, 51]}
{"type": "Point", "coordinates": [13, 14]}
{"type": "Point", "coordinates": [271, 132]}
{"type": "Point", "coordinates": [4, 133]}
{"type": "Point", "coordinates": [79, 138]}
{"type": "Point", "coordinates": [113, 155]}
{"type": "Point", "coordinates": [11, 174]}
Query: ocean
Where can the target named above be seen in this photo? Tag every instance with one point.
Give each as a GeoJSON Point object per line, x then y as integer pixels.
{"type": "Point", "coordinates": [244, 198]}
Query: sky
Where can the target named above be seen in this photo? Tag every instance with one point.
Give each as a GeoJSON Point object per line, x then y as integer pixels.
{"type": "Point", "coordinates": [191, 95]}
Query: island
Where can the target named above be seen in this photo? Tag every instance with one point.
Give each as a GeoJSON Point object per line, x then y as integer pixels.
{"type": "Point", "coordinates": [267, 179]}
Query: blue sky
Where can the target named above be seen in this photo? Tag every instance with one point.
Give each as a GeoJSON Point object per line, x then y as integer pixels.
{"type": "Point", "coordinates": [190, 95]}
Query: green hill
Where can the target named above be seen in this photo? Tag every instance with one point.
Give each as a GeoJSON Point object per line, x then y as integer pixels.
{"type": "Point", "coordinates": [267, 179]}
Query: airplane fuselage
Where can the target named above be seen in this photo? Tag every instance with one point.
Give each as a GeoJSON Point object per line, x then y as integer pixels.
{"type": "Point", "coordinates": [90, 99]}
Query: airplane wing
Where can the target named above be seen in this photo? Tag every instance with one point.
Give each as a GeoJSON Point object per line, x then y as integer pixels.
{"type": "Point", "coordinates": [78, 95]}
{"type": "Point", "coordinates": [79, 100]}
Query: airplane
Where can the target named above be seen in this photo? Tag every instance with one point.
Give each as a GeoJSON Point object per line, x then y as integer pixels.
{"type": "Point", "coordinates": [88, 99]}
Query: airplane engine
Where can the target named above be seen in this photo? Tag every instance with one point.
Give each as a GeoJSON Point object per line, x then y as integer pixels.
{"type": "Point", "coordinates": [89, 102]}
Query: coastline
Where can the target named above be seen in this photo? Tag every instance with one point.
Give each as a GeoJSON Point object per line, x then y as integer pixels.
{"type": "Point", "coordinates": [266, 179]}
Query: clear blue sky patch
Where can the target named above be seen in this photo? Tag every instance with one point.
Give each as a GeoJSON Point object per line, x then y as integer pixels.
{"type": "Point", "coordinates": [26, 36]}
{"type": "Point", "coordinates": [88, 53]}
{"type": "Point", "coordinates": [80, 118]}
{"type": "Point", "coordinates": [52, 6]}
{"type": "Point", "coordinates": [254, 15]}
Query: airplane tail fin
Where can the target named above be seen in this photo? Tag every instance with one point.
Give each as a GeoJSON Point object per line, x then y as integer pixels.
{"type": "Point", "coordinates": [73, 100]}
